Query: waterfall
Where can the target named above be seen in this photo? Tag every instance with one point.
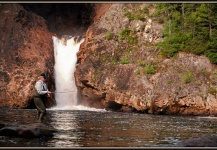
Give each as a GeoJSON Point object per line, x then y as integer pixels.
{"type": "Point", "coordinates": [65, 54]}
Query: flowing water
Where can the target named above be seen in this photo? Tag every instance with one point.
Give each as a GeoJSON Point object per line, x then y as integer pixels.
{"type": "Point", "coordinates": [65, 54]}
{"type": "Point", "coordinates": [99, 128]}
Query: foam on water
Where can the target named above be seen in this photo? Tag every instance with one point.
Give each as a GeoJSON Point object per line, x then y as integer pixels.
{"type": "Point", "coordinates": [77, 107]}
{"type": "Point", "coordinates": [207, 117]}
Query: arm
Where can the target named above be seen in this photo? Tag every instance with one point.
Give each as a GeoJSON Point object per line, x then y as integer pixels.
{"type": "Point", "coordinates": [48, 92]}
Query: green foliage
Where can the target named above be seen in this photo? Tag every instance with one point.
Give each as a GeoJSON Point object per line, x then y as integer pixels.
{"type": "Point", "coordinates": [172, 44]}
{"type": "Point", "coordinates": [145, 10]}
{"type": "Point", "coordinates": [196, 46]}
{"type": "Point", "coordinates": [189, 27]}
{"type": "Point", "coordinates": [169, 51]}
{"type": "Point", "coordinates": [104, 58]}
{"type": "Point", "coordinates": [124, 32]}
{"type": "Point", "coordinates": [211, 53]}
{"type": "Point", "coordinates": [109, 35]}
{"type": "Point", "coordinates": [212, 56]}
{"type": "Point", "coordinates": [187, 77]}
{"type": "Point", "coordinates": [127, 34]}
{"type": "Point", "coordinates": [141, 63]}
{"type": "Point", "coordinates": [137, 14]}
{"type": "Point", "coordinates": [132, 40]}
{"type": "Point", "coordinates": [137, 72]}
{"type": "Point", "coordinates": [149, 69]}
{"type": "Point", "coordinates": [129, 15]}
{"type": "Point", "coordinates": [215, 75]}
{"type": "Point", "coordinates": [169, 81]}
{"type": "Point", "coordinates": [198, 82]}
{"type": "Point", "coordinates": [125, 60]}
{"type": "Point", "coordinates": [114, 60]}
{"type": "Point", "coordinates": [212, 90]}
{"type": "Point", "coordinates": [96, 73]}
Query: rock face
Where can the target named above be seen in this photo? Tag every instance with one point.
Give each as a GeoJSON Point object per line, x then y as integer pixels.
{"type": "Point", "coordinates": [121, 69]}
{"type": "Point", "coordinates": [26, 51]}
{"type": "Point", "coordinates": [26, 46]}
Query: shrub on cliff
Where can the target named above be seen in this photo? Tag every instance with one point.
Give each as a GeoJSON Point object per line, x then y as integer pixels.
{"type": "Point", "coordinates": [187, 77]}
{"type": "Point", "coordinates": [149, 69]}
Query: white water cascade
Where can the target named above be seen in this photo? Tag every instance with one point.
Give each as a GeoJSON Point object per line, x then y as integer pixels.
{"type": "Point", "coordinates": [65, 54]}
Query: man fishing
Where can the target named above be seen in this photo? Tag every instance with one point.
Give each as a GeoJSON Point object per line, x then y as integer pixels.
{"type": "Point", "coordinates": [40, 94]}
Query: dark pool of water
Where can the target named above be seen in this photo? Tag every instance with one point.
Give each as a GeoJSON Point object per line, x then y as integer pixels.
{"type": "Point", "coordinates": [83, 128]}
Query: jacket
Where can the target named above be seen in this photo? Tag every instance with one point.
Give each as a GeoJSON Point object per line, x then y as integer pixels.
{"type": "Point", "coordinates": [40, 89]}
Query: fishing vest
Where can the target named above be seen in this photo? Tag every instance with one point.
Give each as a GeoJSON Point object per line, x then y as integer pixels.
{"type": "Point", "coordinates": [36, 94]}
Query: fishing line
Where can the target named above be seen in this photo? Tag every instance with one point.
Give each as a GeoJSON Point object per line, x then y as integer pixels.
{"type": "Point", "coordinates": [64, 92]}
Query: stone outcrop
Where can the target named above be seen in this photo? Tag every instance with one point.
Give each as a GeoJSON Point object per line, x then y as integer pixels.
{"type": "Point", "coordinates": [120, 64]}
{"type": "Point", "coordinates": [26, 51]}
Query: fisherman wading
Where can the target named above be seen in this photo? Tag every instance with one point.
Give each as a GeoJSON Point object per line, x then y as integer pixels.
{"type": "Point", "coordinates": [40, 94]}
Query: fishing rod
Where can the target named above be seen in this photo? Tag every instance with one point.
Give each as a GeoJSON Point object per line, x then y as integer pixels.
{"type": "Point", "coordinates": [50, 95]}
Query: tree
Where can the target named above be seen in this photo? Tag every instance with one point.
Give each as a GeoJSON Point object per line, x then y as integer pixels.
{"type": "Point", "coordinates": [189, 27]}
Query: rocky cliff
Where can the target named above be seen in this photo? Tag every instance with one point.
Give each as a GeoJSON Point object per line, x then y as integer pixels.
{"type": "Point", "coordinates": [119, 67]}
{"type": "Point", "coordinates": [26, 45]}
{"type": "Point", "coordinates": [123, 70]}
{"type": "Point", "coordinates": [26, 52]}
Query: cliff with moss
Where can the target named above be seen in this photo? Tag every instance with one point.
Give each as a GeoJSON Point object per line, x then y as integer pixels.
{"type": "Point", "coordinates": [124, 70]}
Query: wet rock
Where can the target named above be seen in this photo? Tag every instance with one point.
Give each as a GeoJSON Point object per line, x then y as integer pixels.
{"type": "Point", "coordinates": [25, 130]}
{"type": "Point", "coordinates": [8, 131]}
{"type": "Point", "coordinates": [203, 141]}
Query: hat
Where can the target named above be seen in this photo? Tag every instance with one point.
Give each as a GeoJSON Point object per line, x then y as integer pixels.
{"type": "Point", "coordinates": [44, 75]}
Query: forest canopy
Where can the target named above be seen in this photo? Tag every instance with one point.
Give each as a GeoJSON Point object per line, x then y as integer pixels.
{"type": "Point", "coordinates": [189, 27]}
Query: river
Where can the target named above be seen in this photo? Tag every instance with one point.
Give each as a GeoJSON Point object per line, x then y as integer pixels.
{"type": "Point", "coordinates": [100, 128]}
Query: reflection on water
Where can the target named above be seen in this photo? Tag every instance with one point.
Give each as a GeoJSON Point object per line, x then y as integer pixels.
{"type": "Point", "coordinates": [64, 122]}
{"type": "Point", "coordinates": [83, 128]}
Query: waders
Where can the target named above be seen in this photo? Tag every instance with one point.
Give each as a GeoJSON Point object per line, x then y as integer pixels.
{"type": "Point", "coordinates": [41, 110]}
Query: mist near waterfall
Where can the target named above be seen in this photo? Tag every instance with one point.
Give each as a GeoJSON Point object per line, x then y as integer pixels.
{"type": "Point", "coordinates": [65, 54]}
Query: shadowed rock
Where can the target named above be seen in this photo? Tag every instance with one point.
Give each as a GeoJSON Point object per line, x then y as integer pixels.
{"type": "Point", "coordinates": [203, 141]}
{"type": "Point", "coordinates": [20, 129]}
{"type": "Point", "coordinates": [111, 105]}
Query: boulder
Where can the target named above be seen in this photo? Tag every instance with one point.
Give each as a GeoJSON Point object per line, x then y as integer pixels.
{"type": "Point", "coordinates": [26, 130]}
{"type": "Point", "coordinates": [202, 141]}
